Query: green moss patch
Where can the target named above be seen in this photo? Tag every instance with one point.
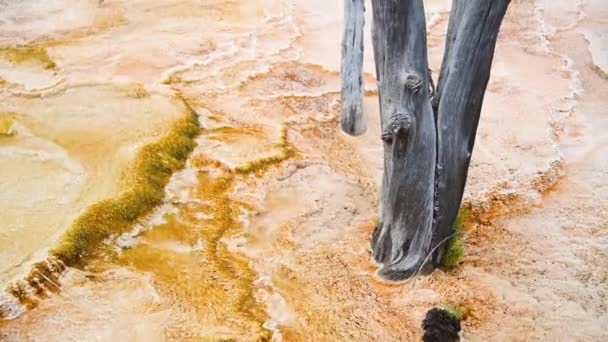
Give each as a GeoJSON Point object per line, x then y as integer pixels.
{"type": "Point", "coordinates": [455, 248]}
{"type": "Point", "coordinates": [454, 311]}
{"type": "Point", "coordinates": [151, 171]}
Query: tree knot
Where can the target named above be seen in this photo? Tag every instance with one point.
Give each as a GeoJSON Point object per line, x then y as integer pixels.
{"type": "Point", "coordinates": [412, 82]}
{"type": "Point", "coordinates": [400, 123]}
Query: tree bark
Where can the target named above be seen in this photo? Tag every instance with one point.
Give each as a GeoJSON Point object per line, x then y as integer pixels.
{"type": "Point", "coordinates": [353, 120]}
{"type": "Point", "coordinates": [427, 147]}
{"type": "Point", "coordinates": [402, 239]}
{"type": "Point", "coordinates": [465, 71]}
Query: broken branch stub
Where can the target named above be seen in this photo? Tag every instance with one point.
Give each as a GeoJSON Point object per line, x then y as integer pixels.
{"type": "Point", "coordinates": [353, 121]}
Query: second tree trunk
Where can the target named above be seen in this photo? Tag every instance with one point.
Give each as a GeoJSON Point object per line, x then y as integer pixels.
{"type": "Point", "coordinates": [402, 239]}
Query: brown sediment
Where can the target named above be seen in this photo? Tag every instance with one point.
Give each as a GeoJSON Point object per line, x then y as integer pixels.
{"type": "Point", "coordinates": [41, 281]}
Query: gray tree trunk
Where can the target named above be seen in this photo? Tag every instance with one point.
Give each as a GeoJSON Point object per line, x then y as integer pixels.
{"type": "Point", "coordinates": [353, 121]}
{"type": "Point", "coordinates": [465, 71]}
{"type": "Point", "coordinates": [427, 148]}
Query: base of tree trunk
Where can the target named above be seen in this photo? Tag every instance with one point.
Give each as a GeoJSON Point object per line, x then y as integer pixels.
{"type": "Point", "coordinates": [428, 135]}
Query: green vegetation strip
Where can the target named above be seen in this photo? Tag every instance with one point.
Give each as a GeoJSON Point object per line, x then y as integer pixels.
{"type": "Point", "coordinates": [454, 311]}
{"type": "Point", "coordinates": [259, 166]}
{"type": "Point", "coordinates": [152, 169]}
{"type": "Point", "coordinates": [455, 248]}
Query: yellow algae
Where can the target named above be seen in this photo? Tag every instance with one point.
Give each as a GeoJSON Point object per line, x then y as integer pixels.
{"type": "Point", "coordinates": [224, 281]}
{"type": "Point", "coordinates": [137, 91]}
{"type": "Point", "coordinates": [170, 231]}
{"type": "Point", "coordinates": [186, 283]}
{"type": "Point", "coordinates": [286, 151]}
{"type": "Point", "coordinates": [210, 281]}
{"type": "Point", "coordinates": [229, 134]}
{"type": "Point", "coordinates": [211, 278]}
{"type": "Point", "coordinates": [201, 161]}
{"type": "Point", "coordinates": [341, 308]}
{"type": "Point", "coordinates": [172, 79]}
{"type": "Point", "coordinates": [230, 130]}
{"type": "Point", "coordinates": [284, 238]}
{"type": "Point", "coordinates": [152, 168]}
{"type": "Point", "coordinates": [232, 266]}
{"type": "Point", "coordinates": [6, 125]}
{"type": "Point", "coordinates": [28, 53]}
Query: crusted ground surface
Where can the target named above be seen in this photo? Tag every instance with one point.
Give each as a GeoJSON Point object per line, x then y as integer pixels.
{"type": "Point", "coordinates": [265, 233]}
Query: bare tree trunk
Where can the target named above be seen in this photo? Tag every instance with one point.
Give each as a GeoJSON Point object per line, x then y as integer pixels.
{"type": "Point", "coordinates": [465, 70]}
{"type": "Point", "coordinates": [427, 148]}
{"type": "Point", "coordinates": [401, 241]}
{"type": "Point", "coordinates": [353, 121]}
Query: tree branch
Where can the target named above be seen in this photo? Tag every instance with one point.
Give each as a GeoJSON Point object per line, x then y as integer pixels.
{"type": "Point", "coordinates": [353, 120]}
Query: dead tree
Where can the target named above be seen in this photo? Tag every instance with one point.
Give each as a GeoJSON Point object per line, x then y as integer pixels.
{"type": "Point", "coordinates": [427, 143]}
